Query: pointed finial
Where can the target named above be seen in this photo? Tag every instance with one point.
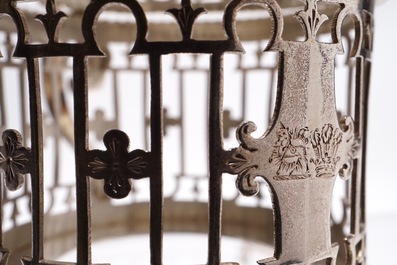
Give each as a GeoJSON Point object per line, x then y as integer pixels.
{"type": "Point", "coordinates": [186, 17]}
{"type": "Point", "coordinates": [51, 21]}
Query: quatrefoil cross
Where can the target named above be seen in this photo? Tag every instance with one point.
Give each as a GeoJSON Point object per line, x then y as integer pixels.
{"type": "Point", "coordinates": [116, 165]}
{"type": "Point", "coordinates": [14, 159]}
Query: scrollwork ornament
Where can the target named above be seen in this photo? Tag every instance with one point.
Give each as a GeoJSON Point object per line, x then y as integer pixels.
{"type": "Point", "coordinates": [241, 161]}
{"type": "Point", "coordinates": [353, 145]}
{"type": "Point", "coordinates": [297, 154]}
{"type": "Point", "coordinates": [116, 165]}
{"type": "Point", "coordinates": [246, 182]}
{"type": "Point", "coordinates": [14, 159]}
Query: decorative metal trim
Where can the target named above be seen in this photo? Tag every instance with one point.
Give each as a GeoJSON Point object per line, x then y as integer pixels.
{"type": "Point", "coordinates": [14, 159]}
{"type": "Point", "coordinates": [116, 165]}
{"type": "Point", "coordinates": [185, 17]}
{"type": "Point", "coordinates": [299, 156]}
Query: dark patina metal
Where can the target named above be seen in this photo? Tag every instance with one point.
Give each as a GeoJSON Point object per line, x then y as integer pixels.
{"type": "Point", "coordinates": [307, 145]}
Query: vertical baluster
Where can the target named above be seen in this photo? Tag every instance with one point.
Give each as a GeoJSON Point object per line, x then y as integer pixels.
{"type": "Point", "coordinates": [4, 252]}
{"type": "Point", "coordinates": [215, 148]}
{"type": "Point", "coordinates": [22, 87]}
{"type": "Point", "coordinates": [36, 125]}
{"type": "Point", "coordinates": [358, 172]}
{"type": "Point", "coordinates": [116, 97]}
{"type": "Point", "coordinates": [272, 82]}
{"type": "Point", "coordinates": [2, 124]}
{"type": "Point", "coordinates": [369, 7]}
{"type": "Point", "coordinates": [356, 180]}
{"type": "Point", "coordinates": [156, 178]}
{"type": "Point", "coordinates": [182, 145]}
{"type": "Point", "coordinates": [357, 241]}
{"type": "Point", "coordinates": [145, 87]}
{"type": "Point", "coordinates": [244, 92]}
{"type": "Point", "coordinates": [81, 146]}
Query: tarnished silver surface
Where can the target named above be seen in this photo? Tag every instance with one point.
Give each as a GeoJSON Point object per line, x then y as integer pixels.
{"type": "Point", "coordinates": [306, 146]}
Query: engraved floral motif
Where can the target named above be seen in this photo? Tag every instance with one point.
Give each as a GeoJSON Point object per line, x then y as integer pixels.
{"type": "Point", "coordinates": [13, 159]}
{"type": "Point", "coordinates": [290, 154]}
{"type": "Point", "coordinates": [116, 165]}
{"type": "Point", "coordinates": [185, 17]}
{"type": "Point", "coordinates": [325, 145]}
{"type": "Point", "coordinates": [311, 19]}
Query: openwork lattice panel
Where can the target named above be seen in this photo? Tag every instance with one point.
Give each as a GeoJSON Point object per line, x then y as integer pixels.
{"type": "Point", "coordinates": [117, 120]}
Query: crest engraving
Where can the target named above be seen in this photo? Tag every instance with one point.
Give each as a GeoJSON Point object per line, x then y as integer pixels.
{"type": "Point", "coordinates": [325, 145]}
{"type": "Point", "coordinates": [290, 153]}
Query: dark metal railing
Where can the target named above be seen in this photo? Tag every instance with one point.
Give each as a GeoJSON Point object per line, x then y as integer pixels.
{"type": "Point", "coordinates": [306, 145]}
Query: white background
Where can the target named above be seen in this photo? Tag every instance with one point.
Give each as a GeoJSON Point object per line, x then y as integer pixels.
{"type": "Point", "coordinates": [382, 176]}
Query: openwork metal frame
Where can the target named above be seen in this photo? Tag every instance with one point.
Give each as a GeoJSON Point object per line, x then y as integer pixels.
{"type": "Point", "coordinates": [299, 156]}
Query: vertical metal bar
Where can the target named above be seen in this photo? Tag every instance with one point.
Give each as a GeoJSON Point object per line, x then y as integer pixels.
{"type": "Point", "coordinates": [24, 114]}
{"type": "Point", "coordinates": [116, 97]}
{"type": "Point", "coordinates": [1, 212]}
{"type": "Point", "coordinates": [365, 96]}
{"type": "Point", "coordinates": [356, 178]}
{"type": "Point", "coordinates": [144, 107]}
{"type": "Point", "coordinates": [182, 145]}
{"type": "Point", "coordinates": [22, 87]}
{"type": "Point", "coordinates": [350, 111]}
{"type": "Point", "coordinates": [271, 95]}
{"type": "Point", "coordinates": [3, 117]}
{"type": "Point", "coordinates": [81, 145]}
{"type": "Point", "coordinates": [36, 126]}
{"type": "Point", "coordinates": [56, 111]}
{"type": "Point", "coordinates": [349, 89]}
{"type": "Point", "coordinates": [245, 92]}
{"type": "Point", "coordinates": [215, 147]}
{"type": "Point", "coordinates": [156, 178]}
{"type": "Point", "coordinates": [368, 6]}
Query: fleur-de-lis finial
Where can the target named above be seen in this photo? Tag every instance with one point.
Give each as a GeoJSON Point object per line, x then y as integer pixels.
{"type": "Point", "coordinates": [51, 21]}
{"type": "Point", "coordinates": [185, 17]}
{"type": "Point", "coordinates": [311, 19]}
